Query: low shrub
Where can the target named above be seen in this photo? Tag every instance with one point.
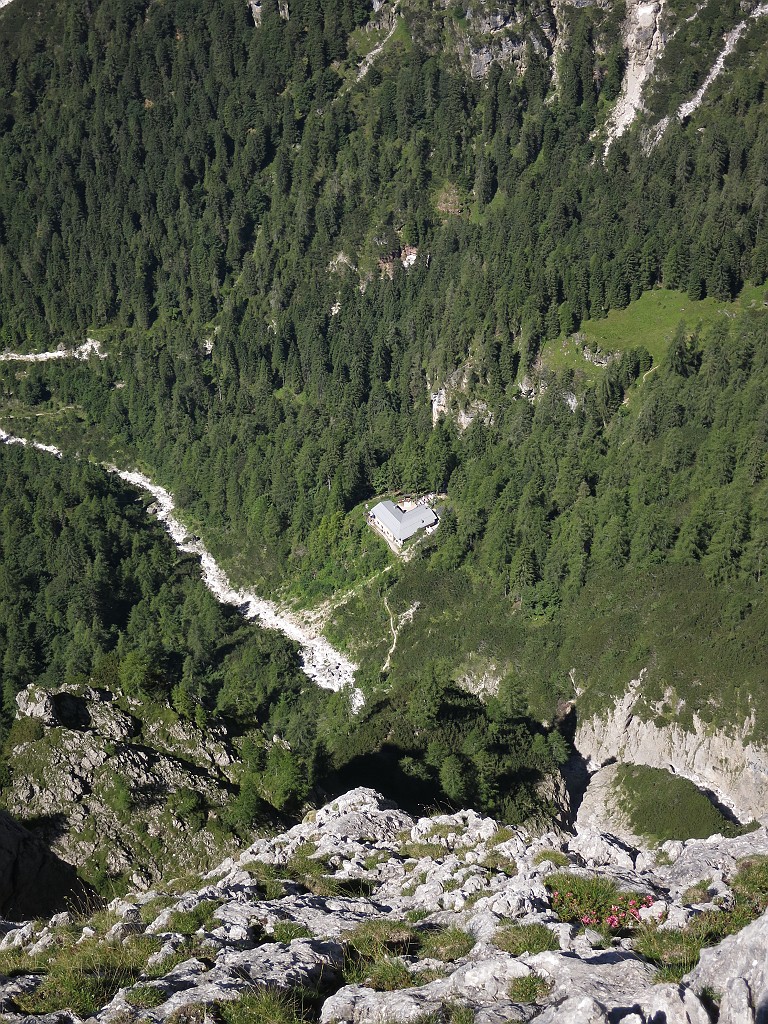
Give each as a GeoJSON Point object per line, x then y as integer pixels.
{"type": "Point", "coordinates": [595, 902]}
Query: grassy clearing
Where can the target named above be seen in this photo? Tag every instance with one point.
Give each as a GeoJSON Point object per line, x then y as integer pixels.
{"type": "Point", "coordinates": [525, 938]}
{"type": "Point", "coordinates": [649, 322]}
{"type": "Point", "coordinates": [663, 806]}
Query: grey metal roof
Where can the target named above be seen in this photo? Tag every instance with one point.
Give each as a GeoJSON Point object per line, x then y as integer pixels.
{"type": "Point", "coordinates": [403, 525]}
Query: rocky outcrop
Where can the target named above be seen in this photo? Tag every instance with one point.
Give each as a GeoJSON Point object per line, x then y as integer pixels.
{"type": "Point", "coordinates": [284, 915]}
{"type": "Point", "coordinates": [734, 769]}
{"type": "Point", "coordinates": [454, 399]}
{"type": "Point", "coordinates": [255, 8]}
{"type": "Point", "coordinates": [104, 776]}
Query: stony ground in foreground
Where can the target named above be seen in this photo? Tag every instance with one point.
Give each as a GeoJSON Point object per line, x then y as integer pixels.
{"type": "Point", "coordinates": [363, 914]}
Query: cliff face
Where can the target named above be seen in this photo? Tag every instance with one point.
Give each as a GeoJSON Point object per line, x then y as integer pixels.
{"type": "Point", "coordinates": [375, 916]}
{"type": "Point", "coordinates": [33, 881]}
{"type": "Point", "coordinates": [732, 768]}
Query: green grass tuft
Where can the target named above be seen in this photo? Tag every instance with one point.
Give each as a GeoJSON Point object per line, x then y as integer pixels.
{"type": "Point", "coordinates": [530, 989]}
{"type": "Point", "coordinates": [525, 938]}
{"type": "Point", "coordinates": [85, 976]}
{"type": "Point", "coordinates": [556, 857]}
{"type": "Point", "coordinates": [287, 931]}
{"type": "Point", "coordinates": [446, 944]}
{"type": "Point", "coordinates": [187, 922]}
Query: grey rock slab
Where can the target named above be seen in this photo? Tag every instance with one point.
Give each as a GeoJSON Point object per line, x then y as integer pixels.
{"type": "Point", "coordinates": [673, 1004]}
{"type": "Point", "coordinates": [57, 1017]}
{"type": "Point", "coordinates": [598, 849]}
{"type": "Point", "coordinates": [324, 916]}
{"type": "Point", "coordinates": [736, 1003]}
{"type": "Point", "coordinates": [20, 936]}
{"type": "Point", "coordinates": [655, 912]}
{"type": "Point", "coordinates": [488, 979]}
{"type": "Point", "coordinates": [518, 898]}
{"type": "Point", "coordinates": [465, 828]}
{"type": "Point", "coordinates": [183, 985]}
{"type": "Point", "coordinates": [576, 1010]}
{"type": "Point", "coordinates": [120, 931]}
{"type": "Point", "coordinates": [611, 977]}
{"type": "Point", "coordinates": [482, 925]}
{"type": "Point", "coordinates": [482, 985]}
{"type": "Point", "coordinates": [744, 955]}
{"type": "Point", "coordinates": [357, 1005]}
{"type": "Point", "coordinates": [362, 814]}
{"type": "Point", "coordinates": [305, 963]}
{"type": "Point", "coordinates": [161, 923]}
{"type": "Point", "coordinates": [677, 917]}
{"type": "Point", "coordinates": [501, 1011]}
{"type": "Point", "coordinates": [715, 858]}
{"type": "Point", "coordinates": [33, 881]}
{"type": "Point", "coordinates": [16, 987]}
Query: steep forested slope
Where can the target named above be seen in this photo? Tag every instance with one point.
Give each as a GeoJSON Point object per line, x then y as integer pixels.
{"type": "Point", "coordinates": [285, 261]}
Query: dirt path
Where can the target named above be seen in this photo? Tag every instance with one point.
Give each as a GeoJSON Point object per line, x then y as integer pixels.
{"type": "Point", "coordinates": [402, 620]}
